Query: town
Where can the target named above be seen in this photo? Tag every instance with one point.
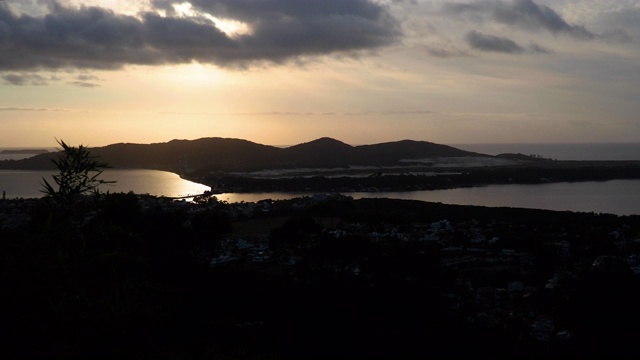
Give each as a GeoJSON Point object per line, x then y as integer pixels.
{"type": "Point", "coordinates": [330, 276]}
{"type": "Point", "coordinates": [519, 279]}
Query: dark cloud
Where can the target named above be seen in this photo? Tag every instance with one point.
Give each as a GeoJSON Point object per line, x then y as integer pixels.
{"type": "Point", "coordinates": [617, 35]}
{"type": "Point", "coordinates": [98, 38]}
{"type": "Point", "coordinates": [627, 18]}
{"type": "Point", "coordinates": [491, 43]}
{"type": "Point", "coordinates": [87, 77]}
{"type": "Point", "coordinates": [524, 14]}
{"type": "Point", "coordinates": [25, 79]}
{"type": "Point", "coordinates": [84, 84]}
{"type": "Point", "coordinates": [538, 49]}
{"type": "Point", "coordinates": [444, 52]}
{"type": "Point", "coordinates": [33, 79]}
{"type": "Point", "coordinates": [480, 41]}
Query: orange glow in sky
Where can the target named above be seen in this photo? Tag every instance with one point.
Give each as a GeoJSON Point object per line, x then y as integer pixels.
{"type": "Point", "coordinates": [358, 71]}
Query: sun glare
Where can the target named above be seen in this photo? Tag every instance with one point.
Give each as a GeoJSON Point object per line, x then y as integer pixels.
{"type": "Point", "coordinates": [231, 27]}
{"type": "Point", "coordinates": [228, 26]}
{"type": "Point", "coordinates": [193, 74]}
{"type": "Point", "coordinates": [127, 7]}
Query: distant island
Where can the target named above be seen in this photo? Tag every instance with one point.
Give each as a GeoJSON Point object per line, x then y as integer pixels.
{"type": "Point", "coordinates": [329, 165]}
{"type": "Point", "coordinates": [205, 156]}
{"type": "Point", "coordinates": [24, 151]}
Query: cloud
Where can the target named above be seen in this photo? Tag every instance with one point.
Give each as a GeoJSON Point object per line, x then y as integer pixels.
{"type": "Point", "coordinates": [90, 37]}
{"type": "Point", "coordinates": [491, 43]}
{"type": "Point", "coordinates": [33, 79]}
{"type": "Point", "coordinates": [444, 52]}
{"type": "Point", "coordinates": [538, 49]}
{"type": "Point", "coordinates": [84, 84]}
{"type": "Point", "coordinates": [627, 18]}
{"type": "Point", "coordinates": [308, 113]}
{"type": "Point", "coordinates": [25, 79]}
{"type": "Point", "coordinates": [480, 41]}
{"type": "Point", "coordinates": [617, 35]}
{"type": "Point", "coordinates": [31, 109]}
{"type": "Point", "coordinates": [524, 14]}
{"type": "Point", "coordinates": [87, 77]}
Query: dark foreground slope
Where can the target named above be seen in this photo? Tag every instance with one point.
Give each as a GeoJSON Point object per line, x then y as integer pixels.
{"type": "Point", "coordinates": [128, 277]}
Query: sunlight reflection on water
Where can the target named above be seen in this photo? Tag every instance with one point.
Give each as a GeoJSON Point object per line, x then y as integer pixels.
{"type": "Point", "coordinates": [26, 184]}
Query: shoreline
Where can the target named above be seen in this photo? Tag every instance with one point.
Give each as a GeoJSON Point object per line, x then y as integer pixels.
{"type": "Point", "coordinates": [414, 178]}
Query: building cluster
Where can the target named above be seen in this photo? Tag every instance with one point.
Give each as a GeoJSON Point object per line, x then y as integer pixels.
{"type": "Point", "coordinates": [15, 212]}
{"type": "Point", "coordinates": [503, 275]}
{"type": "Point", "coordinates": [511, 277]}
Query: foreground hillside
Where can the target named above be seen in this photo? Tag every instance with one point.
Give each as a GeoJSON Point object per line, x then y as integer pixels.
{"type": "Point", "coordinates": [122, 276]}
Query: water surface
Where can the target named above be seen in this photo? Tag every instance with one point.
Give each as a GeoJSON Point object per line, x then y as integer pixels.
{"type": "Point", "coordinates": [620, 197]}
{"type": "Point", "coordinates": [27, 184]}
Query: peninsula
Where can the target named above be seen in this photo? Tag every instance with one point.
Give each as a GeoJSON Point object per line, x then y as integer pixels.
{"type": "Point", "coordinates": [329, 165]}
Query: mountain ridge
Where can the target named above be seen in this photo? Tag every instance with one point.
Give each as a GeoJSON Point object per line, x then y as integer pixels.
{"type": "Point", "coordinates": [216, 154]}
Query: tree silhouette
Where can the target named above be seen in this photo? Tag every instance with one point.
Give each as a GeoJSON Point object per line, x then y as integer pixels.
{"type": "Point", "coordinates": [78, 174]}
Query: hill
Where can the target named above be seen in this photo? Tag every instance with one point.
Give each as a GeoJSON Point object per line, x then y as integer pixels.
{"type": "Point", "coordinates": [207, 155]}
{"type": "Point", "coordinates": [24, 151]}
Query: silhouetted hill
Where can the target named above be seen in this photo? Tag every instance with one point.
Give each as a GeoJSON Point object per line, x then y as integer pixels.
{"type": "Point", "coordinates": [24, 151]}
{"type": "Point", "coordinates": [323, 152]}
{"type": "Point", "coordinates": [185, 156]}
{"type": "Point", "coordinates": [392, 152]}
{"type": "Point", "coordinates": [207, 155]}
{"type": "Point", "coordinates": [37, 162]}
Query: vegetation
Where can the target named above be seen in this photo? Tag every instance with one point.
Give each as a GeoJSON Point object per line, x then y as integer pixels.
{"type": "Point", "coordinates": [78, 173]}
{"type": "Point", "coordinates": [118, 281]}
{"type": "Point", "coordinates": [134, 280]}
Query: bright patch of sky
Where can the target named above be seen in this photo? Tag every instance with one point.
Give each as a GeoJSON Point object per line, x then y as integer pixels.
{"type": "Point", "coordinates": [289, 71]}
{"type": "Point", "coordinates": [228, 26]}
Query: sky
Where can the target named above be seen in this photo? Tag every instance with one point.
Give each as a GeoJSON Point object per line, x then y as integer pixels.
{"type": "Point", "coordinates": [284, 72]}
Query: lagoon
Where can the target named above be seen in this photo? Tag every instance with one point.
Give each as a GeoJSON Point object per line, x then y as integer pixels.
{"type": "Point", "coordinates": [619, 197]}
{"type": "Point", "coordinates": [26, 183]}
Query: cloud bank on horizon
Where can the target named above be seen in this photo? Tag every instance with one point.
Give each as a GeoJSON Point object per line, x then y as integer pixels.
{"type": "Point", "coordinates": [575, 63]}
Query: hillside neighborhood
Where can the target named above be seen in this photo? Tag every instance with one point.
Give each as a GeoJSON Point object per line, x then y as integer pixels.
{"type": "Point", "coordinates": [507, 282]}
